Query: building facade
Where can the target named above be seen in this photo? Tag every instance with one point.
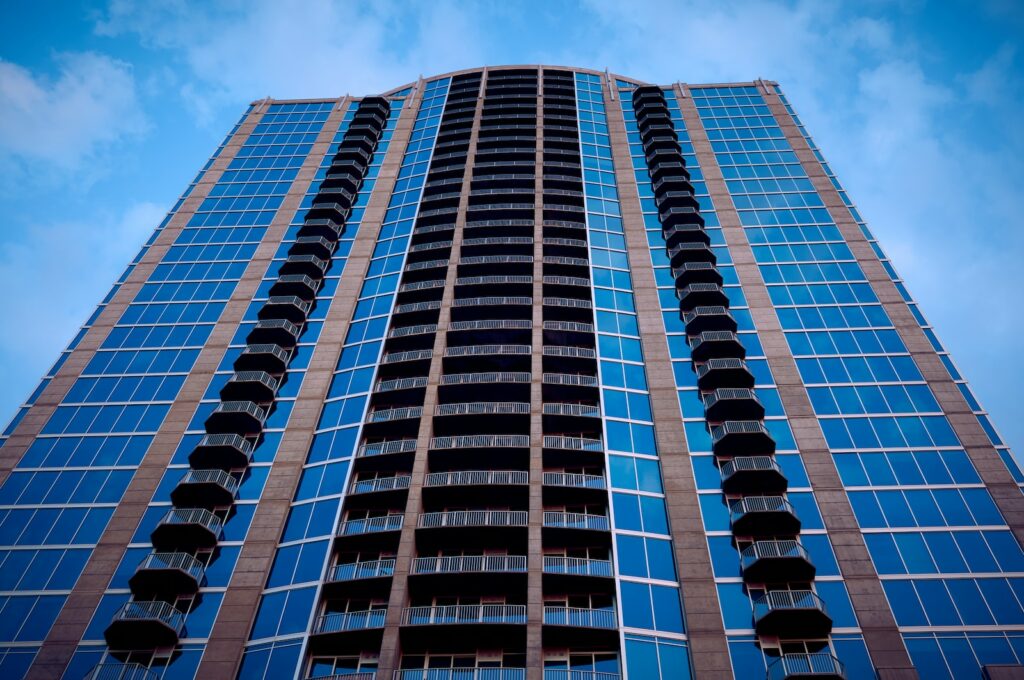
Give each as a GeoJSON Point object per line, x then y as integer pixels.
{"type": "Point", "coordinates": [511, 373]}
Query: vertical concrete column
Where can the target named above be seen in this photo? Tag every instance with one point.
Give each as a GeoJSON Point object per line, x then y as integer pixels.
{"type": "Point", "coordinates": [1005, 491]}
{"type": "Point", "coordinates": [390, 651]}
{"type": "Point", "coordinates": [67, 630]}
{"type": "Point", "coordinates": [884, 642]}
{"type": "Point", "coordinates": [709, 648]}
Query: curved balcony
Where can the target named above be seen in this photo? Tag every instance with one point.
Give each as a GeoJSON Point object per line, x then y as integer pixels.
{"type": "Point", "coordinates": [572, 410]}
{"type": "Point", "coordinates": [379, 485]}
{"type": "Point", "coordinates": [481, 441]}
{"type": "Point", "coordinates": [121, 671]}
{"type": "Point", "coordinates": [390, 415]}
{"type": "Point", "coordinates": [144, 625]}
{"type": "Point", "coordinates": [718, 373]}
{"type": "Point", "coordinates": [236, 417]}
{"type": "Point", "coordinates": [360, 571]}
{"type": "Point", "coordinates": [472, 518]}
{"type": "Point", "coordinates": [165, 576]}
{"type": "Point", "coordinates": [256, 386]}
{"type": "Point", "coordinates": [738, 437]}
{"type": "Point", "coordinates": [295, 285]}
{"type": "Point", "coordinates": [580, 617]}
{"type": "Point", "coordinates": [575, 520]}
{"type": "Point", "coordinates": [690, 251]}
{"type": "Point", "coordinates": [322, 223]}
{"type": "Point", "coordinates": [577, 566]}
{"type": "Point", "coordinates": [570, 379]}
{"type": "Point", "coordinates": [487, 673]}
{"type": "Point", "coordinates": [732, 403]}
{"type": "Point", "coordinates": [763, 516]}
{"type": "Point", "coordinates": [455, 614]}
{"type": "Point", "coordinates": [791, 614]}
{"type": "Point", "coordinates": [371, 525]}
{"type": "Point", "coordinates": [468, 564]}
{"type": "Point", "coordinates": [664, 168]}
{"type": "Point", "coordinates": [716, 345]}
{"type": "Point", "coordinates": [279, 332]}
{"type": "Point", "coordinates": [685, 233]}
{"type": "Point", "coordinates": [460, 351]}
{"type": "Point", "coordinates": [483, 408]}
{"type": "Point", "coordinates": [752, 474]}
{"type": "Point", "coordinates": [386, 448]}
{"type": "Point", "coordinates": [205, 489]}
{"type": "Point", "coordinates": [687, 214]}
{"type": "Point", "coordinates": [774, 561]}
{"type": "Point", "coordinates": [313, 245]}
{"type": "Point", "coordinates": [399, 384]}
{"type": "Point", "coordinates": [570, 674]}
{"type": "Point", "coordinates": [187, 529]}
{"type": "Point", "coordinates": [267, 358]}
{"type": "Point", "coordinates": [477, 478]}
{"type": "Point", "coordinates": [573, 444]}
{"type": "Point", "coordinates": [330, 211]}
{"type": "Point", "coordinates": [696, 272]}
{"type": "Point", "coordinates": [820, 666]}
{"type": "Point", "coordinates": [304, 265]}
{"type": "Point", "coordinates": [290, 307]}
{"type": "Point", "coordinates": [340, 622]}
{"type": "Point", "coordinates": [403, 357]}
{"type": "Point", "coordinates": [574, 480]}
{"type": "Point", "coordinates": [701, 295]}
{"type": "Point", "coordinates": [221, 451]}
{"type": "Point", "coordinates": [708, 319]}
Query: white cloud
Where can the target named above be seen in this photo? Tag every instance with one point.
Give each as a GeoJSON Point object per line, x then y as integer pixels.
{"type": "Point", "coordinates": [57, 123]}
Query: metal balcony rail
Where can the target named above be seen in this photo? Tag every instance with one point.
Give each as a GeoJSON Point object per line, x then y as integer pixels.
{"type": "Point", "coordinates": [491, 325]}
{"type": "Point", "coordinates": [494, 300]}
{"type": "Point", "coordinates": [421, 285]}
{"type": "Point", "coordinates": [482, 350]}
{"type": "Point", "coordinates": [501, 206]}
{"type": "Point", "coordinates": [440, 211]}
{"type": "Point", "coordinates": [574, 480]}
{"type": "Point", "coordinates": [371, 525]}
{"type": "Point", "coordinates": [382, 448]}
{"type": "Point", "coordinates": [575, 379]}
{"type": "Point", "coordinates": [719, 365]}
{"type": "Point", "coordinates": [200, 516]}
{"type": "Point", "coordinates": [499, 240]}
{"type": "Point", "coordinates": [473, 441]}
{"type": "Point", "coordinates": [265, 348]}
{"type": "Point", "coordinates": [576, 566]}
{"type": "Point", "coordinates": [433, 245]}
{"type": "Point", "coordinates": [473, 518]}
{"type": "Point", "coordinates": [272, 324]}
{"type": "Point", "coordinates": [290, 300]}
{"type": "Point", "coordinates": [494, 280]}
{"type": "Point", "coordinates": [464, 613]}
{"type": "Point", "coordinates": [565, 224]}
{"type": "Point", "coordinates": [580, 617]}
{"type": "Point", "coordinates": [426, 264]}
{"type": "Point", "coordinates": [574, 326]}
{"type": "Point", "coordinates": [586, 410]}
{"type": "Point", "coordinates": [433, 228]}
{"type": "Point", "coordinates": [749, 464]}
{"type": "Point", "coordinates": [354, 571]}
{"type": "Point", "coordinates": [474, 224]}
{"type": "Point", "coordinates": [497, 673]}
{"type": "Point", "coordinates": [737, 427]}
{"type": "Point", "coordinates": [556, 241]}
{"type": "Point", "coordinates": [233, 441]}
{"type": "Point", "coordinates": [469, 563]}
{"type": "Point", "coordinates": [483, 408]}
{"type": "Point", "coordinates": [261, 377]}
{"type": "Point", "coordinates": [569, 674]}
{"type": "Point", "coordinates": [482, 378]}
{"type": "Point", "coordinates": [246, 407]}
{"type": "Point", "coordinates": [121, 671]}
{"type": "Point", "coordinates": [775, 600]}
{"type": "Point", "coordinates": [772, 549]}
{"type": "Point", "coordinates": [575, 520]}
{"type": "Point", "coordinates": [411, 355]}
{"type": "Point", "coordinates": [410, 307]}
{"type": "Point", "coordinates": [390, 414]}
{"type": "Point", "coordinates": [569, 351]}
{"type": "Point", "coordinates": [573, 443]}
{"type": "Point", "coordinates": [173, 560]}
{"type": "Point", "coordinates": [574, 303]}
{"type": "Point", "coordinates": [751, 504]}
{"type": "Point", "coordinates": [567, 281]}
{"type": "Point", "coordinates": [218, 477]}
{"type": "Point", "coordinates": [337, 622]}
{"type": "Point", "coordinates": [478, 478]}
{"type": "Point", "coordinates": [400, 384]}
{"type": "Point", "coordinates": [406, 331]}
{"type": "Point", "coordinates": [380, 484]}
{"type": "Point", "coordinates": [806, 665]}
{"type": "Point", "coordinates": [572, 261]}
{"type": "Point", "coordinates": [135, 610]}
{"type": "Point", "coordinates": [497, 259]}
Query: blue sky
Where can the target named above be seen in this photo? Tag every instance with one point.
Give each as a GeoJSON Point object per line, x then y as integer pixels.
{"type": "Point", "coordinates": [108, 109]}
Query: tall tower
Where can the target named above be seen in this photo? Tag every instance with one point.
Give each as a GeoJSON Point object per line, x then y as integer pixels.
{"type": "Point", "coordinates": [514, 373]}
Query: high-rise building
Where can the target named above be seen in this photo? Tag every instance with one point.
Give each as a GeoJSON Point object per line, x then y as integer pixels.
{"type": "Point", "coordinates": [510, 373]}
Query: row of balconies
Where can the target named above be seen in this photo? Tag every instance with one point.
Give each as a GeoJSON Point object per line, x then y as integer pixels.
{"type": "Point", "coordinates": [761, 518]}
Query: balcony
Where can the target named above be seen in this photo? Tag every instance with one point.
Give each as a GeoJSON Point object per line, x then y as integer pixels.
{"type": "Point", "coordinates": [295, 285]}
{"type": "Point", "coordinates": [324, 225]}
{"type": "Point", "coordinates": [481, 441]}
{"type": "Point", "coordinates": [477, 478]}
{"type": "Point", "coordinates": [390, 415]}
{"type": "Point", "coordinates": [569, 387]}
{"type": "Point", "coordinates": [205, 489]}
{"type": "Point", "coordinates": [775, 561]}
{"type": "Point", "coordinates": [573, 443]}
{"type": "Point", "coordinates": [361, 571]}
{"type": "Point", "coordinates": [330, 211]}
{"type": "Point", "coordinates": [696, 272]}
{"type": "Point", "coordinates": [716, 345]}
{"type": "Point", "coordinates": [575, 520]}
{"type": "Point", "coordinates": [144, 625]}
{"type": "Point", "coordinates": [307, 265]}
{"type": "Point", "coordinates": [340, 622]}
{"type": "Point", "coordinates": [752, 474]}
{"type": "Point", "coordinates": [791, 614]}
{"type": "Point", "coordinates": [488, 673]}
{"type": "Point", "coordinates": [313, 245]}
{"type": "Point", "coordinates": [570, 674]}
{"type": "Point", "coordinates": [738, 437]}
{"type": "Point", "coordinates": [398, 384]}
{"type": "Point", "coordinates": [279, 332]}
{"type": "Point", "coordinates": [403, 357]}
{"type": "Point", "coordinates": [465, 614]}
{"type": "Point", "coordinates": [256, 386]}
{"type": "Point", "coordinates": [718, 373]}
{"type": "Point", "coordinates": [121, 671]}
{"type": "Point", "coordinates": [573, 480]}
{"type": "Point", "coordinates": [578, 627]}
{"type": "Point", "coordinates": [187, 529]}
{"type": "Point", "coordinates": [236, 417]}
{"type": "Point", "coordinates": [267, 358]}
{"type": "Point", "coordinates": [763, 516]}
{"type": "Point", "coordinates": [290, 307]}
{"type": "Point", "coordinates": [386, 448]}
{"type": "Point", "coordinates": [821, 666]}
{"type": "Point", "coordinates": [371, 525]}
{"type": "Point", "coordinates": [483, 408]}
{"type": "Point", "coordinates": [577, 566]}
{"type": "Point", "coordinates": [708, 319]}
{"type": "Point", "coordinates": [470, 564]}
{"type": "Point", "coordinates": [460, 387]}
{"type": "Point", "coordinates": [701, 295]}
{"type": "Point", "coordinates": [221, 451]}
{"type": "Point", "coordinates": [685, 233]}
{"type": "Point", "coordinates": [165, 576]}
{"type": "Point", "coordinates": [472, 518]}
{"type": "Point", "coordinates": [732, 403]}
{"type": "Point", "coordinates": [379, 485]}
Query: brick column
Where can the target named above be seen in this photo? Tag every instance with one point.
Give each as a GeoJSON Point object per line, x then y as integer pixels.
{"type": "Point", "coordinates": [1005, 491]}
{"type": "Point", "coordinates": [884, 642]}
{"type": "Point", "coordinates": [709, 649]}
{"type": "Point", "coordinates": [67, 631]}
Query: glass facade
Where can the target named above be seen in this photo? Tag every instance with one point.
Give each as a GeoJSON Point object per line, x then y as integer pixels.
{"type": "Point", "coordinates": [444, 275]}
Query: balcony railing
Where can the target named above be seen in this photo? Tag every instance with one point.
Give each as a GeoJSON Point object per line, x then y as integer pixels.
{"type": "Point", "coordinates": [482, 378]}
{"type": "Point", "coordinates": [411, 355]}
{"type": "Point", "coordinates": [580, 617]}
{"type": "Point", "coordinates": [473, 518]}
{"type": "Point", "coordinates": [570, 326]}
{"type": "Point", "coordinates": [371, 525]}
{"type": "Point", "coordinates": [226, 451]}
{"type": "Point", "coordinates": [569, 674]}
{"type": "Point", "coordinates": [573, 443]}
{"type": "Point", "coordinates": [355, 571]}
{"type": "Point", "coordinates": [491, 325]}
{"type": "Point", "coordinates": [574, 480]}
{"type": "Point", "coordinates": [567, 281]}
{"type": "Point", "coordinates": [173, 561]}
{"type": "Point", "coordinates": [480, 408]}
{"type": "Point", "coordinates": [400, 384]}
{"type": "Point", "coordinates": [569, 352]}
{"type": "Point", "coordinates": [464, 614]}
{"type": "Point", "coordinates": [492, 280]}
{"type": "Point", "coordinates": [585, 410]}
{"type": "Point", "coordinates": [337, 622]}
{"type": "Point", "coordinates": [478, 478]}
{"type": "Point", "coordinates": [380, 484]}
{"type": "Point", "coordinates": [791, 613]}
{"type": "Point", "coordinates": [458, 564]}
{"type": "Point", "coordinates": [391, 414]}
{"type": "Point", "coordinates": [474, 441]}
{"type": "Point", "coordinates": [384, 448]}
{"type": "Point", "coordinates": [576, 566]}
{"type": "Point", "coordinates": [121, 671]}
{"type": "Point", "coordinates": [175, 526]}
{"type": "Point", "coordinates": [405, 331]}
{"type": "Point", "coordinates": [571, 379]}
{"type": "Point", "coordinates": [575, 520]}
{"type": "Point", "coordinates": [459, 674]}
{"type": "Point", "coordinates": [772, 560]}
{"type": "Point", "coordinates": [821, 665]}
{"type": "Point", "coordinates": [162, 612]}
{"type": "Point", "coordinates": [484, 350]}
{"type": "Point", "coordinates": [749, 474]}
